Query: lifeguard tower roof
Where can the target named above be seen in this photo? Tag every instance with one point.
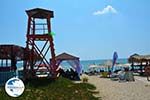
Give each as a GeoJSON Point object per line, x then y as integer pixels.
{"type": "Point", "coordinates": [40, 13]}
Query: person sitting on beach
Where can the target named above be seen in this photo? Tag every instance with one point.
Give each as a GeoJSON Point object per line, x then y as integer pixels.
{"type": "Point", "coordinates": [67, 74]}
{"type": "Point", "coordinates": [61, 71]}
{"type": "Point", "coordinates": [128, 75]}
{"type": "Point", "coordinates": [121, 75]}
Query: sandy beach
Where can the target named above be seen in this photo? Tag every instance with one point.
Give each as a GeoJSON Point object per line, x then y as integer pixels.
{"type": "Point", "coordinates": [114, 90]}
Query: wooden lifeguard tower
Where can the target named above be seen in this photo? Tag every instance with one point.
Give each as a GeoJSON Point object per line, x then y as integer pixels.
{"type": "Point", "coordinates": [39, 41]}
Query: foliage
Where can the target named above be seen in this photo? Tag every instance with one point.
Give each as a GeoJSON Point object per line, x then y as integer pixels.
{"type": "Point", "coordinates": [60, 89]}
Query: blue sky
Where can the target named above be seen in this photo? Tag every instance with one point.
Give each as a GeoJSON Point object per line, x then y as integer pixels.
{"type": "Point", "coordinates": [90, 29]}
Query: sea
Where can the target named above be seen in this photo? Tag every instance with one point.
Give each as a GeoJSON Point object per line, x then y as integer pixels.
{"type": "Point", "coordinates": [85, 64]}
{"type": "Point", "coordinates": [4, 76]}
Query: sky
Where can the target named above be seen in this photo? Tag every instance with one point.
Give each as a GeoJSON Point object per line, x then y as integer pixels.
{"type": "Point", "coordinates": [89, 29]}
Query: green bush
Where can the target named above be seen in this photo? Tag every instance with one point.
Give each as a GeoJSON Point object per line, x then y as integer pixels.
{"type": "Point", "coordinates": [60, 89]}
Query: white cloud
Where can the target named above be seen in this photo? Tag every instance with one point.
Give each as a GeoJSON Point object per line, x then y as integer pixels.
{"type": "Point", "coordinates": [107, 9]}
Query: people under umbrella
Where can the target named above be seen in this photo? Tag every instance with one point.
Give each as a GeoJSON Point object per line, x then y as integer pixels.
{"type": "Point", "coordinates": [70, 74]}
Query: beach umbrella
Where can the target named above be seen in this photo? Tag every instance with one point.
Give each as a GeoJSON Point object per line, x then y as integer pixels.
{"type": "Point", "coordinates": [115, 57]}
{"type": "Point", "coordinates": [123, 65]}
{"type": "Point", "coordinates": [93, 66]}
{"type": "Point", "coordinates": [108, 64]}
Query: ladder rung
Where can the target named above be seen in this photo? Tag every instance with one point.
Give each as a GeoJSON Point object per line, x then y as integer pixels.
{"type": "Point", "coordinates": [41, 29]}
{"type": "Point", "coordinates": [40, 24]}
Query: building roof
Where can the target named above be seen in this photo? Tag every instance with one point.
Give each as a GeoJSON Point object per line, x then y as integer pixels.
{"type": "Point", "coordinates": [65, 56]}
{"type": "Point", "coordinates": [40, 13]}
{"type": "Point", "coordinates": [11, 51]}
{"type": "Point", "coordinates": [139, 58]}
{"type": "Point", "coordinates": [14, 52]}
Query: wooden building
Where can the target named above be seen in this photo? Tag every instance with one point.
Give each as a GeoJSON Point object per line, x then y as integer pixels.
{"type": "Point", "coordinates": [139, 62]}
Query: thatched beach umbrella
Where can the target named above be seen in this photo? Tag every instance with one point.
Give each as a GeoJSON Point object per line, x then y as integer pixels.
{"type": "Point", "coordinates": [141, 61]}
{"type": "Point", "coordinates": [108, 64]}
{"type": "Point", "coordinates": [93, 67]}
{"type": "Point", "coordinates": [127, 65]}
{"type": "Point", "coordinates": [139, 58]}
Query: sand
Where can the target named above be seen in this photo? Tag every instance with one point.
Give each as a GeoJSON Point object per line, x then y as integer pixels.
{"type": "Point", "coordinates": [114, 90]}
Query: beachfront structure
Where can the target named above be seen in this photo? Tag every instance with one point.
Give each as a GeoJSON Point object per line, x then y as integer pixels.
{"type": "Point", "coordinates": [10, 55]}
{"type": "Point", "coordinates": [139, 62]}
{"type": "Point", "coordinates": [39, 40]}
{"type": "Point", "coordinates": [72, 60]}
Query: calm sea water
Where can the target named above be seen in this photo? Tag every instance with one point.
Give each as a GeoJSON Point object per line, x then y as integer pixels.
{"type": "Point", "coordinates": [86, 63]}
{"type": "Point", "coordinates": [85, 66]}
